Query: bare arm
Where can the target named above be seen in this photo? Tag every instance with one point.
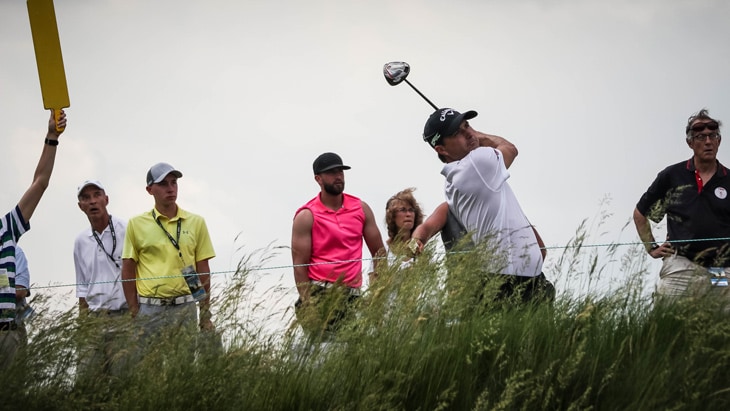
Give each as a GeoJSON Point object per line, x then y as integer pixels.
{"type": "Point", "coordinates": [129, 285]}
{"type": "Point", "coordinates": [508, 150]}
{"type": "Point", "coordinates": [643, 228]}
{"type": "Point", "coordinates": [42, 175]}
{"type": "Point", "coordinates": [20, 292]}
{"type": "Point", "coordinates": [203, 270]}
{"type": "Point", "coordinates": [301, 251]}
{"type": "Point", "coordinates": [372, 237]}
{"type": "Point", "coordinates": [433, 224]}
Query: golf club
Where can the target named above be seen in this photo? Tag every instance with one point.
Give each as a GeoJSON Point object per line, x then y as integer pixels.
{"type": "Point", "coordinates": [397, 71]}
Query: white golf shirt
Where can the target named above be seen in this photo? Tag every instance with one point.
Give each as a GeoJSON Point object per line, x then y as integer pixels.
{"type": "Point", "coordinates": [98, 278]}
{"type": "Point", "coordinates": [480, 197]}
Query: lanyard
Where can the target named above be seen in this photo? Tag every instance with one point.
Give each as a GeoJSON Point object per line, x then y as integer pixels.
{"type": "Point", "coordinates": [175, 241]}
{"type": "Point", "coordinates": [114, 241]}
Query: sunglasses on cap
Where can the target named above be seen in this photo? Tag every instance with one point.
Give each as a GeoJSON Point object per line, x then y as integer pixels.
{"type": "Point", "coordinates": [712, 126]}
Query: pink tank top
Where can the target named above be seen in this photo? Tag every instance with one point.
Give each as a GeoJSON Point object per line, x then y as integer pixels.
{"type": "Point", "coordinates": [336, 236]}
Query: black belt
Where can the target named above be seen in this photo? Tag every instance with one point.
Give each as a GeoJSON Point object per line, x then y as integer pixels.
{"type": "Point", "coordinates": [8, 326]}
{"type": "Point", "coordinates": [102, 312]}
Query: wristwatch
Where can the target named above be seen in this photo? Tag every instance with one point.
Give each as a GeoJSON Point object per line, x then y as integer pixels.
{"type": "Point", "coordinates": [654, 246]}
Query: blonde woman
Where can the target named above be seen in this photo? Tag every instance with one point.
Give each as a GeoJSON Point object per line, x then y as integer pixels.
{"type": "Point", "coordinates": [402, 215]}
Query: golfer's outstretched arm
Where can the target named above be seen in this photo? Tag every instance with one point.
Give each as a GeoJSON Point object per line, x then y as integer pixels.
{"type": "Point", "coordinates": [433, 224]}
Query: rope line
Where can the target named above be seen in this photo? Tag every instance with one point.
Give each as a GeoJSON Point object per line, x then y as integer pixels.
{"type": "Point", "coordinates": [289, 266]}
{"type": "Point", "coordinates": [695, 240]}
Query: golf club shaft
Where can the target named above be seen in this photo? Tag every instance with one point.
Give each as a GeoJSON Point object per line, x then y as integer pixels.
{"type": "Point", "coordinates": [421, 94]}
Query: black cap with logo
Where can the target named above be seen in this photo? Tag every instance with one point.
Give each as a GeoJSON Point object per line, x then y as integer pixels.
{"type": "Point", "coordinates": [444, 122]}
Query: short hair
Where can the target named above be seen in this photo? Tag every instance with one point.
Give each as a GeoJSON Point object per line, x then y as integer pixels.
{"type": "Point", "coordinates": [405, 196]}
{"type": "Point", "coordinates": [703, 114]}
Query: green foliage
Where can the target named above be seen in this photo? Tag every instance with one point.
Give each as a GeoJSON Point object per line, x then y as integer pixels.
{"type": "Point", "coordinates": [419, 339]}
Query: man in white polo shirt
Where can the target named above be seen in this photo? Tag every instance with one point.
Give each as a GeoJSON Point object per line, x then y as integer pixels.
{"type": "Point", "coordinates": [98, 263]}
{"type": "Point", "coordinates": [480, 198]}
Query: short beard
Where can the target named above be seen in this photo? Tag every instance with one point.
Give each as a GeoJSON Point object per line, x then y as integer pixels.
{"type": "Point", "coordinates": [333, 190]}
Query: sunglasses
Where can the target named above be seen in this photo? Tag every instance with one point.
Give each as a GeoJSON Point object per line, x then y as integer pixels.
{"type": "Point", "coordinates": [703, 137]}
{"type": "Point", "coordinates": [405, 210]}
{"type": "Point", "coordinates": [712, 126]}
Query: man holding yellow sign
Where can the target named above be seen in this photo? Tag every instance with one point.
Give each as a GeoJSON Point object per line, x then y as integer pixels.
{"type": "Point", "coordinates": [13, 225]}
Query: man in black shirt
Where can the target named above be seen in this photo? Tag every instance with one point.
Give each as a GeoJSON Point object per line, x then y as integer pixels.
{"type": "Point", "coordinates": [693, 194]}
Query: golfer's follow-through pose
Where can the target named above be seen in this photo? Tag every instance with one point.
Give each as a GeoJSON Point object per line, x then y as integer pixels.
{"type": "Point", "coordinates": [478, 194]}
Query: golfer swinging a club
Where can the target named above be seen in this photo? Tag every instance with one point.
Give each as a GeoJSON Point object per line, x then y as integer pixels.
{"type": "Point", "coordinates": [478, 194]}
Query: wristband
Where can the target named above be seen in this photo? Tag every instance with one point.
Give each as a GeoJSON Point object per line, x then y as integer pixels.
{"type": "Point", "coordinates": [51, 142]}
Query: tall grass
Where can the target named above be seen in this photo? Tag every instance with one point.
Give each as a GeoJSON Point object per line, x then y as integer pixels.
{"type": "Point", "coordinates": [419, 341]}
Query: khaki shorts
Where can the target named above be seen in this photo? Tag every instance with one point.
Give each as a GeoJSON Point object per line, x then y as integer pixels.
{"type": "Point", "coordinates": [680, 277]}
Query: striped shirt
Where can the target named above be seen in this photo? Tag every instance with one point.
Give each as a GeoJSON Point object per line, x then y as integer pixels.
{"type": "Point", "coordinates": [12, 226]}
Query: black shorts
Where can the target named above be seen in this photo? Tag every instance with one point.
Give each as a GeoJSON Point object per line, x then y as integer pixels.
{"type": "Point", "coordinates": [524, 289]}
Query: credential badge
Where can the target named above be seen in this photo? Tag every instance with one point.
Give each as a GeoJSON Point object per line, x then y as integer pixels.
{"type": "Point", "coordinates": [720, 193]}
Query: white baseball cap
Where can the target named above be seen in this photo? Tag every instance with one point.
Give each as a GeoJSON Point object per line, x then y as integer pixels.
{"type": "Point", "coordinates": [88, 183]}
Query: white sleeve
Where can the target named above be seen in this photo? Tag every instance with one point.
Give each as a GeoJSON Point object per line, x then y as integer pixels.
{"type": "Point", "coordinates": [489, 164]}
{"type": "Point", "coordinates": [22, 274]}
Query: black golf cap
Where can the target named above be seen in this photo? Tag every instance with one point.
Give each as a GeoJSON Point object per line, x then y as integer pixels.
{"type": "Point", "coordinates": [328, 161]}
{"type": "Point", "coordinates": [444, 122]}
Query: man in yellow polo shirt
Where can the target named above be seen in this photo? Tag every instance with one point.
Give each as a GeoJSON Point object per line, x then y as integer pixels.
{"type": "Point", "coordinates": [166, 250]}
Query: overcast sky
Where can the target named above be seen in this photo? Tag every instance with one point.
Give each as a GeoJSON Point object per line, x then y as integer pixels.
{"type": "Point", "coordinates": [241, 96]}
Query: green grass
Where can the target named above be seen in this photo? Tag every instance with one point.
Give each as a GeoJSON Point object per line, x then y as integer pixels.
{"type": "Point", "coordinates": [418, 342]}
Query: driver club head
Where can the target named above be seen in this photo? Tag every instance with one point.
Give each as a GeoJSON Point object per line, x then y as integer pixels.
{"type": "Point", "coordinates": [396, 71]}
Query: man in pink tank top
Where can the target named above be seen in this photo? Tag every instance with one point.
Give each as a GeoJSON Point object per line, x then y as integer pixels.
{"type": "Point", "coordinates": [326, 243]}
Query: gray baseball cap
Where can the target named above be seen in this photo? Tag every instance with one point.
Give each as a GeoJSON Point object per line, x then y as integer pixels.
{"type": "Point", "coordinates": [159, 171]}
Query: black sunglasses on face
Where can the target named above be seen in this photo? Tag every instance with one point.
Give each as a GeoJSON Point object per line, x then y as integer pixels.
{"type": "Point", "coordinates": [712, 126]}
